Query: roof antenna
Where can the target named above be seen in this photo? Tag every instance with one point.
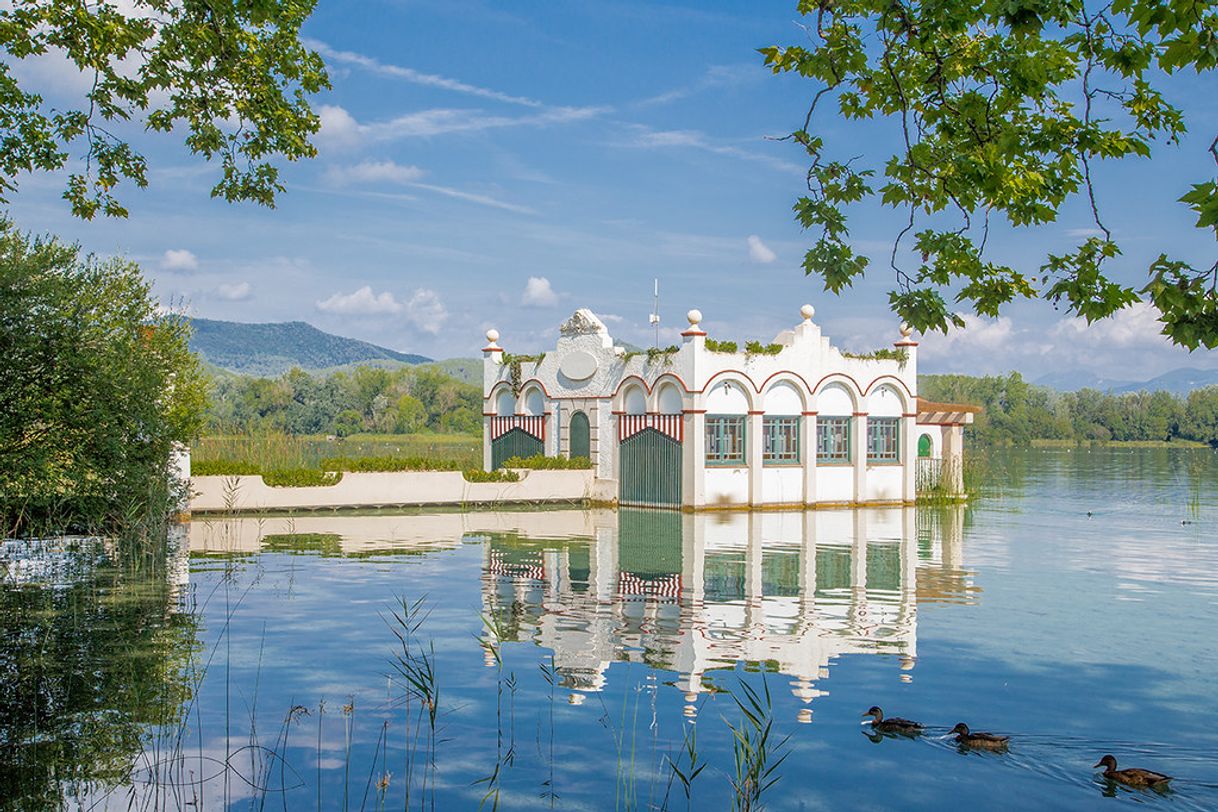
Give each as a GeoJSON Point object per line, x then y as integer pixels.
{"type": "Point", "coordinates": [655, 313]}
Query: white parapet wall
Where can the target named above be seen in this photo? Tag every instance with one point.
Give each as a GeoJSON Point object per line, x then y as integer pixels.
{"type": "Point", "coordinates": [393, 489]}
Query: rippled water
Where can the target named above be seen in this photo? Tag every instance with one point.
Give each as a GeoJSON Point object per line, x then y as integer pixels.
{"type": "Point", "coordinates": [573, 653]}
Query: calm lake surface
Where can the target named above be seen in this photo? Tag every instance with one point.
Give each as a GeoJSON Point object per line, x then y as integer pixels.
{"type": "Point", "coordinates": [572, 655]}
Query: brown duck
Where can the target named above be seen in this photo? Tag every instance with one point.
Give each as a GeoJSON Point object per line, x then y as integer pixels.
{"type": "Point", "coordinates": [1131, 776]}
{"type": "Point", "coordinates": [896, 724]}
{"type": "Point", "coordinates": [979, 740]}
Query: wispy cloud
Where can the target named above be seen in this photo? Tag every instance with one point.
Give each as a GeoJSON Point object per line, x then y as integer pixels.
{"type": "Point", "coordinates": [759, 251]}
{"type": "Point", "coordinates": [235, 292]}
{"type": "Point", "coordinates": [391, 172]}
{"type": "Point", "coordinates": [426, 311]}
{"type": "Point", "coordinates": [340, 128]}
{"type": "Point", "coordinates": [372, 65]}
{"type": "Point", "coordinates": [643, 137]}
{"type": "Point", "coordinates": [716, 76]}
{"type": "Point", "coordinates": [472, 197]}
{"type": "Point", "coordinates": [374, 172]}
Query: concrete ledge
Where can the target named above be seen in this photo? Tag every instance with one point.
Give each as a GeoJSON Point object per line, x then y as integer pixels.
{"type": "Point", "coordinates": [220, 494]}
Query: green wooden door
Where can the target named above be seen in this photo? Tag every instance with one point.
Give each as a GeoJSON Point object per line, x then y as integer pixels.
{"type": "Point", "coordinates": [581, 436]}
{"type": "Point", "coordinates": [650, 470]}
{"type": "Point", "coordinates": [924, 445]}
{"type": "Point", "coordinates": [515, 443]}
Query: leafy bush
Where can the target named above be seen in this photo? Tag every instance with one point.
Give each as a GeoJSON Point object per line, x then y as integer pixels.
{"type": "Point", "coordinates": [98, 387]}
{"type": "Point", "coordinates": [757, 348]}
{"type": "Point", "coordinates": [300, 478]}
{"type": "Point", "coordinates": [478, 475]}
{"type": "Point", "coordinates": [542, 463]}
{"type": "Point", "coordinates": [380, 464]}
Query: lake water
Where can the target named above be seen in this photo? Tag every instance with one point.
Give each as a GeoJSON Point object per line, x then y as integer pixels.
{"type": "Point", "coordinates": [570, 656]}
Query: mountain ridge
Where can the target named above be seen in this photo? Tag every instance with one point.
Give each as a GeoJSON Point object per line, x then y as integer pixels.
{"type": "Point", "coordinates": [272, 348]}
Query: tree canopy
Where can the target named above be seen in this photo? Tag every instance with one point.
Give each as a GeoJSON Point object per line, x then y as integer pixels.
{"type": "Point", "coordinates": [1003, 107]}
{"type": "Point", "coordinates": [232, 75]}
{"type": "Point", "coordinates": [99, 385]}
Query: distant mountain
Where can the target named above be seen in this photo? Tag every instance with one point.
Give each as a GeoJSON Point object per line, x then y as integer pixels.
{"type": "Point", "coordinates": [272, 349]}
{"type": "Point", "coordinates": [1073, 380]}
{"type": "Point", "coordinates": [1178, 381]}
{"type": "Point", "coordinates": [466, 370]}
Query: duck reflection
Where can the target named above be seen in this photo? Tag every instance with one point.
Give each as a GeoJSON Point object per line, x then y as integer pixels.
{"type": "Point", "coordinates": [782, 592]}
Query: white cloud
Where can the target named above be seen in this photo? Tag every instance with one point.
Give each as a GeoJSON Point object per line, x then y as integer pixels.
{"type": "Point", "coordinates": [237, 292]}
{"type": "Point", "coordinates": [375, 172]}
{"type": "Point", "coordinates": [338, 127]}
{"type": "Point", "coordinates": [179, 259]}
{"type": "Point", "coordinates": [1133, 327]}
{"type": "Point", "coordinates": [362, 302]}
{"type": "Point", "coordinates": [427, 311]}
{"type": "Point", "coordinates": [759, 251]}
{"type": "Point", "coordinates": [333, 56]}
{"type": "Point", "coordinates": [538, 293]}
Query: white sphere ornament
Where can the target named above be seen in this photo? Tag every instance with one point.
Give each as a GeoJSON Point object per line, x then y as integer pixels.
{"type": "Point", "coordinates": [694, 316]}
{"type": "Point", "coordinates": [492, 335]}
{"type": "Point", "coordinates": [807, 311]}
{"type": "Point", "coordinates": [906, 330]}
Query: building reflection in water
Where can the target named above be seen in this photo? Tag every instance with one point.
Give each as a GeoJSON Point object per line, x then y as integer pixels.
{"type": "Point", "coordinates": [691, 593]}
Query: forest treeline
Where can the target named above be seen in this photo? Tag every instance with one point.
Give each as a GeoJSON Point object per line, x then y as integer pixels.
{"type": "Point", "coordinates": [406, 400]}
{"type": "Point", "coordinates": [1017, 412]}
{"type": "Point", "coordinates": [417, 399]}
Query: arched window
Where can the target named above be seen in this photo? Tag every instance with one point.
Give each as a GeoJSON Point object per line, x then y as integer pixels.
{"type": "Point", "coordinates": [884, 407]}
{"type": "Point", "coordinates": [581, 437]}
{"type": "Point", "coordinates": [505, 404]}
{"type": "Point", "coordinates": [634, 401]}
{"type": "Point", "coordinates": [534, 402]}
{"type": "Point", "coordinates": [668, 399]}
{"type": "Point", "coordinates": [781, 425]}
{"type": "Point", "coordinates": [926, 446]}
{"type": "Point", "coordinates": [833, 425]}
{"type": "Point", "coordinates": [726, 424]}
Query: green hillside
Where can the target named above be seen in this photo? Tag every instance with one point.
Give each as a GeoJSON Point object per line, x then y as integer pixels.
{"type": "Point", "coordinates": [274, 348]}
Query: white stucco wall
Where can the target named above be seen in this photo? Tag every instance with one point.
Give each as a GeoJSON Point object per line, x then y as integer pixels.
{"type": "Point", "coordinates": [219, 493]}
{"type": "Point", "coordinates": [835, 483]}
{"type": "Point", "coordinates": [885, 482]}
{"type": "Point", "coordinates": [727, 486]}
{"type": "Point", "coordinates": [782, 485]}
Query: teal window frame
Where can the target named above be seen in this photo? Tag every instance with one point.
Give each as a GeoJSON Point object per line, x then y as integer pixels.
{"type": "Point", "coordinates": [834, 437]}
{"type": "Point", "coordinates": [726, 440]}
{"type": "Point", "coordinates": [780, 440]}
{"type": "Point", "coordinates": [884, 440]}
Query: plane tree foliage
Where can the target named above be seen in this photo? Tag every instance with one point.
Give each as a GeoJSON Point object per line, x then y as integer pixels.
{"type": "Point", "coordinates": [230, 77]}
{"type": "Point", "coordinates": [1003, 109]}
{"type": "Point", "coordinates": [1017, 412]}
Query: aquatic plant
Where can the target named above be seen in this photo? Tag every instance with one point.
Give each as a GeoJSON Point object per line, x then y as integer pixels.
{"type": "Point", "coordinates": [756, 755]}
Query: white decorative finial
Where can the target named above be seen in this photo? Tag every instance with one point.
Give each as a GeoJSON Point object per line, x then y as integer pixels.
{"type": "Point", "coordinates": [807, 311]}
{"type": "Point", "coordinates": [492, 335]}
{"type": "Point", "coordinates": [906, 330]}
{"type": "Point", "coordinates": [694, 317]}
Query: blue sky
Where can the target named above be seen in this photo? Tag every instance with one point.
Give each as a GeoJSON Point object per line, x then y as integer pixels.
{"type": "Point", "coordinates": [502, 164]}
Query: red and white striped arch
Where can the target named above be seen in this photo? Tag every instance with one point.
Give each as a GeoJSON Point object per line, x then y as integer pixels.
{"type": "Point", "coordinates": [533, 425]}
{"type": "Point", "coordinates": [670, 425]}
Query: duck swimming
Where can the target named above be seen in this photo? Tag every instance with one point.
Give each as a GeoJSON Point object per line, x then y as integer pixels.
{"type": "Point", "coordinates": [905, 727]}
{"type": "Point", "coordinates": [1131, 776]}
{"type": "Point", "coordinates": [979, 740]}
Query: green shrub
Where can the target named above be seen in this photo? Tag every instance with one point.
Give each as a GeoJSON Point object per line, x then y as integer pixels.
{"type": "Point", "coordinates": [380, 464]}
{"type": "Point", "coordinates": [757, 348]}
{"type": "Point", "coordinates": [223, 468]}
{"type": "Point", "coordinates": [885, 354]}
{"type": "Point", "coordinates": [541, 463]}
{"type": "Point", "coordinates": [478, 475]}
{"type": "Point", "coordinates": [721, 346]}
{"type": "Point", "coordinates": [300, 478]}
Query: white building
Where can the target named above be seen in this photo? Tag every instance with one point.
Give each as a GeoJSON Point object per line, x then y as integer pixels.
{"type": "Point", "coordinates": [711, 425]}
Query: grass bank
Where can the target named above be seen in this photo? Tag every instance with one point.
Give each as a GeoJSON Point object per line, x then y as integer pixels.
{"type": "Point", "coordinates": [253, 453]}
